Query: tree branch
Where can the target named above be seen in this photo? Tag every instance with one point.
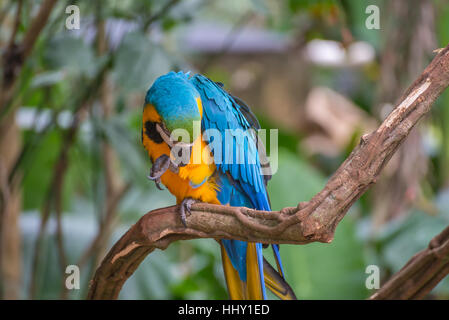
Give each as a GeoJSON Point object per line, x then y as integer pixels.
{"type": "Point", "coordinates": [421, 273]}
{"type": "Point", "coordinates": [311, 221]}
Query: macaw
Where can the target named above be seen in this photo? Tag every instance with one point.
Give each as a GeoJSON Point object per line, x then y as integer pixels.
{"type": "Point", "coordinates": [228, 174]}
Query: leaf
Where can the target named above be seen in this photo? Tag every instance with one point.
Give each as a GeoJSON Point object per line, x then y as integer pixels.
{"type": "Point", "coordinates": [39, 168]}
{"type": "Point", "coordinates": [139, 62]}
{"type": "Point", "coordinates": [47, 78]}
{"type": "Point", "coordinates": [128, 147]}
{"type": "Point", "coordinates": [71, 54]}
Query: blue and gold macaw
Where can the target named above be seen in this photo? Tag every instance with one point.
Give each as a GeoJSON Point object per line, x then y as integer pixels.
{"type": "Point", "coordinates": [228, 176]}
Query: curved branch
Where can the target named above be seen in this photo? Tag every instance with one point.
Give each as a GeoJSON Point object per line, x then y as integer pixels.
{"type": "Point", "coordinates": [311, 221]}
{"type": "Point", "coordinates": [420, 274]}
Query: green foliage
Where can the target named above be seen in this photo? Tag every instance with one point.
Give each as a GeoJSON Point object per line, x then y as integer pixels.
{"type": "Point", "coordinates": [311, 5]}
{"type": "Point", "coordinates": [71, 54]}
{"type": "Point", "coordinates": [40, 170]}
{"type": "Point", "coordinates": [301, 179]}
{"type": "Point", "coordinates": [401, 239]}
{"type": "Point", "coordinates": [317, 271]}
{"type": "Point", "coordinates": [139, 57]}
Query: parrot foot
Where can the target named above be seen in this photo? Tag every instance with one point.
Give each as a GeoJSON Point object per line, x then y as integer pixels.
{"type": "Point", "coordinates": [160, 166]}
{"type": "Point", "coordinates": [184, 207]}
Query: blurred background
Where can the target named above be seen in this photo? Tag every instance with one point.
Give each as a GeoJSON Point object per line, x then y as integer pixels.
{"type": "Point", "coordinates": [73, 171]}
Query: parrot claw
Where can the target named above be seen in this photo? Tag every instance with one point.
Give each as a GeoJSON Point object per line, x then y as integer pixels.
{"type": "Point", "coordinates": [158, 184]}
{"type": "Point", "coordinates": [160, 166]}
{"type": "Point", "coordinates": [157, 181]}
{"type": "Point", "coordinates": [184, 207]}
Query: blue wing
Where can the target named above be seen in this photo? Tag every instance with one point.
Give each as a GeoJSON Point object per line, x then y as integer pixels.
{"type": "Point", "coordinates": [240, 180]}
{"type": "Point", "coordinates": [223, 113]}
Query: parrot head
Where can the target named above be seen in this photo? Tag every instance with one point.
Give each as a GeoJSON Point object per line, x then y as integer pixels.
{"type": "Point", "coordinates": [177, 102]}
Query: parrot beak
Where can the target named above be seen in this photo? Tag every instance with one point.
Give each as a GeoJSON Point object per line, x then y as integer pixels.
{"type": "Point", "coordinates": [164, 162]}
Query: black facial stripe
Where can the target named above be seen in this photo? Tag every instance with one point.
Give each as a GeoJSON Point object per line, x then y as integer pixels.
{"type": "Point", "coordinates": [151, 132]}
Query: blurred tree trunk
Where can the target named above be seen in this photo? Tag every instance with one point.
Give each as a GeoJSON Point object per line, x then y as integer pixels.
{"type": "Point", "coordinates": [10, 247]}
{"type": "Point", "coordinates": [10, 144]}
{"type": "Point", "coordinates": [405, 53]}
{"type": "Point", "coordinates": [115, 187]}
{"type": "Point", "coordinates": [113, 180]}
{"type": "Point", "coordinates": [14, 55]}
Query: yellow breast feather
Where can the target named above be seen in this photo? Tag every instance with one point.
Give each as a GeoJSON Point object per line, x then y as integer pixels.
{"type": "Point", "coordinates": [193, 180]}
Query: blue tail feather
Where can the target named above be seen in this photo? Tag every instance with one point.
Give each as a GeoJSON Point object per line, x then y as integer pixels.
{"type": "Point", "coordinates": [260, 261]}
{"type": "Point", "coordinates": [239, 193]}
